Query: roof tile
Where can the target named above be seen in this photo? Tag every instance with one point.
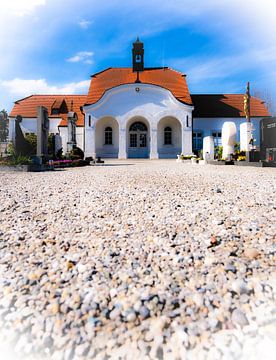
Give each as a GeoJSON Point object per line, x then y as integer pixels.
{"type": "Point", "coordinates": [27, 107]}
{"type": "Point", "coordinates": [167, 78]}
{"type": "Point", "coordinates": [226, 105]}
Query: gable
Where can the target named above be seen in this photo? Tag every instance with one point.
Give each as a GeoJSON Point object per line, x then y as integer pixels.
{"type": "Point", "coordinates": [27, 107]}
{"type": "Point", "coordinates": [169, 79]}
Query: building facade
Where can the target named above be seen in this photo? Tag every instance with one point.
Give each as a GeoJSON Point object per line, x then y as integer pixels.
{"type": "Point", "coordinates": [139, 112]}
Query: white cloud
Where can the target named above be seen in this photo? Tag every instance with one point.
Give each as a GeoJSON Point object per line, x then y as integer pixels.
{"type": "Point", "coordinates": [20, 7]}
{"type": "Point", "coordinates": [204, 68]}
{"type": "Point", "coordinates": [84, 24]}
{"type": "Point", "coordinates": [82, 56]}
{"type": "Point", "coordinates": [23, 87]}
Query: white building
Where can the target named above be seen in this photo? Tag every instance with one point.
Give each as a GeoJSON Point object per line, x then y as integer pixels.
{"type": "Point", "coordinates": [139, 113]}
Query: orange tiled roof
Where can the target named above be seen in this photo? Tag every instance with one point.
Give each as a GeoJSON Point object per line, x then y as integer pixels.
{"type": "Point", "coordinates": [227, 105]}
{"type": "Point", "coordinates": [27, 107]}
{"type": "Point", "coordinates": [167, 78]}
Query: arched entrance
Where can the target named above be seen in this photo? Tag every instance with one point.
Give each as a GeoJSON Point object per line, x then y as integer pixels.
{"type": "Point", "coordinates": [107, 137]}
{"type": "Point", "coordinates": [138, 141]}
{"type": "Point", "coordinates": [169, 140]}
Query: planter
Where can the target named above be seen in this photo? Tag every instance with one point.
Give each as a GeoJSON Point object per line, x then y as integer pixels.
{"type": "Point", "coordinates": [247, 163]}
{"type": "Point", "coordinates": [221, 162]}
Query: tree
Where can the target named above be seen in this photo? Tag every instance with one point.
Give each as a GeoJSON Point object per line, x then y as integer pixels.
{"type": "Point", "coordinates": [4, 126]}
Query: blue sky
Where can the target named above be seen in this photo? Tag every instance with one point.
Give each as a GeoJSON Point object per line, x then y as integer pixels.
{"type": "Point", "coordinates": [53, 46]}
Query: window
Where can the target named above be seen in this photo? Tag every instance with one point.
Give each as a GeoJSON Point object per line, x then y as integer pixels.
{"type": "Point", "coordinates": [138, 126]}
{"type": "Point", "coordinates": [197, 140]}
{"type": "Point", "coordinates": [55, 111]}
{"type": "Point", "coordinates": [108, 136]}
{"type": "Point", "coordinates": [133, 140]}
{"type": "Point", "coordinates": [168, 136]}
{"type": "Point", "coordinates": [89, 120]}
{"type": "Point", "coordinates": [138, 58]}
{"type": "Point", "coordinates": [217, 137]}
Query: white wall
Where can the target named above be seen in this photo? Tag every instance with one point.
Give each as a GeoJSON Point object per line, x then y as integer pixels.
{"type": "Point", "coordinates": [64, 136]}
{"type": "Point", "coordinates": [207, 125]}
{"type": "Point", "coordinates": [29, 125]}
{"type": "Point", "coordinates": [79, 137]}
{"type": "Point", "coordinates": [102, 150]}
{"type": "Point", "coordinates": [169, 151]}
{"type": "Point", "coordinates": [123, 103]}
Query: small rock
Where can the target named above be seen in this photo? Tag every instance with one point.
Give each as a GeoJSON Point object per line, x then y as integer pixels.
{"type": "Point", "coordinates": [239, 286]}
{"type": "Point", "coordinates": [114, 314]}
{"type": "Point", "coordinates": [113, 292]}
{"type": "Point", "coordinates": [230, 267]}
{"type": "Point", "coordinates": [55, 308]}
{"type": "Point", "coordinates": [33, 276]}
{"type": "Point", "coordinates": [82, 349]}
{"type": "Point", "coordinates": [131, 316]}
{"type": "Point", "coordinates": [238, 317]}
{"type": "Point", "coordinates": [70, 264]}
{"type": "Point", "coordinates": [251, 253]}
{"type": "Point", "coordinates": [144, 312]}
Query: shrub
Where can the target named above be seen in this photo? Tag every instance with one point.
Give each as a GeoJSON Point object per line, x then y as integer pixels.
{"type": "Point", "coordinates": [31, 139]}
{"type": "Point", "coordinates": [218, 152]}
{"type": "Point", "coordinates": [19, 160]}
{"type": "Point", "coordinates": [76, 153]}
{"type": "Point", "coordinates": [11, 149]}
{"type": "Point", "coordinates": [237, 147]}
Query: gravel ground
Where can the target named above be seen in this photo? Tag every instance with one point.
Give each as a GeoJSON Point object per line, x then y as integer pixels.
{"type": "Point", "coordinates": [138, 260]}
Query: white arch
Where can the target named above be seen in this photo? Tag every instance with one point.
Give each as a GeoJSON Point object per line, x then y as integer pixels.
{"type": "Point", "coordinates": [169, 150]}
{"type": "Point", "coordinates": [101, 148]}
{"type": "Point", "coordinates": [139, 153]}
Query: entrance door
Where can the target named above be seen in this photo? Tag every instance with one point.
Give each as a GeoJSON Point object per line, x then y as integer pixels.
{"type": "Point", "coordinates": [138, 141]}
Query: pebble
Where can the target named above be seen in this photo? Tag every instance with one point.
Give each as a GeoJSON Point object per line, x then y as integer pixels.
{"type": "Point", "coordinates": [251, 253]}
{"type": "Point", "coordinates": [238, 317]}
{"type": "Point", "coordinates": [230, 267]}
{"type": "Point", "coordinates": [144, 312]}
{"type": "Point", "coordinates": [153, 260]}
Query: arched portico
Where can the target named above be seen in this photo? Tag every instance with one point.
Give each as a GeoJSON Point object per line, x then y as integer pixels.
{"type": "Point", "coordinates": [169, 137]}
{"type": "Point", "coordinates": [107, 137]}
{"type": "Point", "coordinates": [144, 103]}
{"type": "Point", "coordinates": [138, 137]}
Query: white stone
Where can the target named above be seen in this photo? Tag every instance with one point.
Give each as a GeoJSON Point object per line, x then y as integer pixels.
{"type": "Point", "coordinates": [208, 148]}
{"type": "Point", "coordinates": [246, 131]}
{"type": "Point", "coordinates": [229, 131]}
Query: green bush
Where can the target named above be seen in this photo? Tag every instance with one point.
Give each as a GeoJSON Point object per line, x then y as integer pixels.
{"type": "Point", "coordinates": [11, 149]}
{"type": "Point", "coordinates": [236, 147]}
{"type": "Point", "coordinates": [76, 153]}
{"type": "Point", "coordinates": [19, 160]}
{"type": "Point", "coordinates": [32, 139]}
{"type": "Point", "coordinates": [218, 152]}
